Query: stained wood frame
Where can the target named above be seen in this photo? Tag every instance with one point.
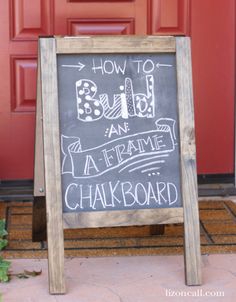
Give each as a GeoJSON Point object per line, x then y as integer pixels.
{"type": "Point", "coordinates": [48, 182]}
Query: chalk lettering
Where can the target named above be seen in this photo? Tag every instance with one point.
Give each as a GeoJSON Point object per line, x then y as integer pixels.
{"type": "Point", "coordinates": [138, 63]}
{"type": "Point", "coordinates": [119, 68]}
{"type": "Point", "coordinates": [72, 205]}
{"type": "Point", "coordinates": [85, 190]}
{"type": "Point", "coordinates": [131, 147]}
{"type": "Point", "coordinates": [98, 197]}
{"type": "Point", "coordinates": [120, 150]}
{"type": "Point", "coordinates": [107, 204]}
{"type": "Point", "coordinates": [126, 188]}
{"type": "Point", "coordinates": [142, 143]}
{"type": "Point", "coordinates": [98, 67]}
{"type": "Point", "coordinates": [161, 187]}
{"type": "Point", "coordinates": [158, 141]}
{"type": "Point", "coordinates": [148, 66]}
{"type": "Point", "coordinates": [89, 164]}
{"type": "Point", "coordinates": [109, 67]}
{"type": "Point", "coordinates": [112, 191]}
{"type": "Point", "coordinates": [151, 194]}
{"type": "Point", "coordinates": [172, 193]}
{"type": "Point", "coordinates": [125, 194]}
{"type": "Point", "coordinates": [107, 157]}
{"type": "Point", "coordinates": [141, 194]}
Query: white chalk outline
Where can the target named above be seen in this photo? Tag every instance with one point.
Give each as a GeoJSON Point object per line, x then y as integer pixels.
{"type": "Point", "coordinates": [114, 167]}
{"type": "Point", "coordinates": [80, 66]}
{"type": "Point", "coordinates": [77, 139]}
{"type": "Point", "coordinates": [150, 169]}
{"type": "Point", "coordinates": [158, 65]}
{"type": "Point", "coordinates": [119, 110]}
{"type": "Point", "coordinates": [156, 156]}
{"type": "Point", "coordinates": [115, 140]}
{"type": "Point", "coordinates": [166, 119]}
{"type": "Point", "coordinates": [128, 136]}
{"type": "Point", "coordinates": [148, 164]}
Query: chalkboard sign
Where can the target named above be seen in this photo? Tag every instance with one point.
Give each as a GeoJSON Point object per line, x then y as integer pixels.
{"type": "Point", "coordinates": [119, 131]}
{"type": "Point", "coordinates": [115, 118]}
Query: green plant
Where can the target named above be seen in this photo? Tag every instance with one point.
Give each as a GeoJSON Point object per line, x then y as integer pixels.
{"type": "Point", "coordinates": [4, 265]}
{"type": "Point", "coordinates": [5, 275]}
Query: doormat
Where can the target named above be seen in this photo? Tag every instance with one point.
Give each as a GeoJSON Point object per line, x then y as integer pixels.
{"type": "Point", "coordinates": [217, 226]}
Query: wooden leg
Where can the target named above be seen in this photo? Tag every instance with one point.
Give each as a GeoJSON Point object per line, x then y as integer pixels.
{"type": "Point", "coordinates": [39, 224]}
{"type": "Point", "coordinates": [192, 253]}
{"type": "Point", "coordinates": [52, 166]}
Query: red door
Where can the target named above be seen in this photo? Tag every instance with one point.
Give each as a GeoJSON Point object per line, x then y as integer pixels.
{"type": "Point", "coordinates": [212, 31]}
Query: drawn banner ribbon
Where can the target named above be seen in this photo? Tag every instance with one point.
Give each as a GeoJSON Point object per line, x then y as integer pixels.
{"type": "Point", "coordinates": [118, 153]}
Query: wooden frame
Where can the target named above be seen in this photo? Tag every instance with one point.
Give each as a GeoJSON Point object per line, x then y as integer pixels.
{"type": "Point", "coordinates": [50, 158]}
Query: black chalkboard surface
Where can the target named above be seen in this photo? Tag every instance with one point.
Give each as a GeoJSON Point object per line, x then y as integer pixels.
{"type": "Point", "coordinates": [119, 131]}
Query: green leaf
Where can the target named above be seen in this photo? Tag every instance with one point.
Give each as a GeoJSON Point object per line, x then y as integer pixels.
{"type": "Point", "coordinates": [3, 243]}
{"type": "Point", "coordinates": [3, 231]}
{"type": "Point", "coordinates": [4, 267]}
{"type": "Point", "coordinates": [4, 263]}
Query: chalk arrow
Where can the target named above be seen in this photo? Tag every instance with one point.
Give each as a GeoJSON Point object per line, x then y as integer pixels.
{"type": "Point", "coordinates": [80, 66]}
{"type": "Point", "coordinates": [163, 65]}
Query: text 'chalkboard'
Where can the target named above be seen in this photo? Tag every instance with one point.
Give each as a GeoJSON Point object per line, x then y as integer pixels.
{"type": "Point", "coordinates": [119, 131]}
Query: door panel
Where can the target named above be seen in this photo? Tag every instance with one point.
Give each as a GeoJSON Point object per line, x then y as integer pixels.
{"type": "Point", "coordinates": [170, 17]}
{"type": "Point", "coordinates": [213, 56]}
{"type": "Point", "coordinates": [118, 17]}
{"type": "Point", "coordinates": [29, 19]}
{"type": "Point", "coordinates": [23, 88]}
{"type": "Point", "coordinates": [122, 26]}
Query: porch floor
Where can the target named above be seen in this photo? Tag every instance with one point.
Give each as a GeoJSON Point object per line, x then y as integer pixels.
{"type": "Point", "coordinates": [126, 279]}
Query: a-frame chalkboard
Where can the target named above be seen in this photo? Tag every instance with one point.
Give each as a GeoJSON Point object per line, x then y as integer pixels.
{"type": "Point", "coordinates": [115, 118]}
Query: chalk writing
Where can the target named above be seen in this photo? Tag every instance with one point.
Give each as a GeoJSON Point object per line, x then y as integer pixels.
{"type": "Point", "coordinates": [79, 66]}
{"type": "Point", "coordinates": [119, 137]}
{"type": "Point", "coordinates": [96, 161]}
{"type": "Point", "coordinates": [127, 194]}
{"type": "Point", "coordinates": [117, 130]}
{"type": "Point", "coordinates": [125, 105]}
{"type": "Point", "coordinates": [111, 66]}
